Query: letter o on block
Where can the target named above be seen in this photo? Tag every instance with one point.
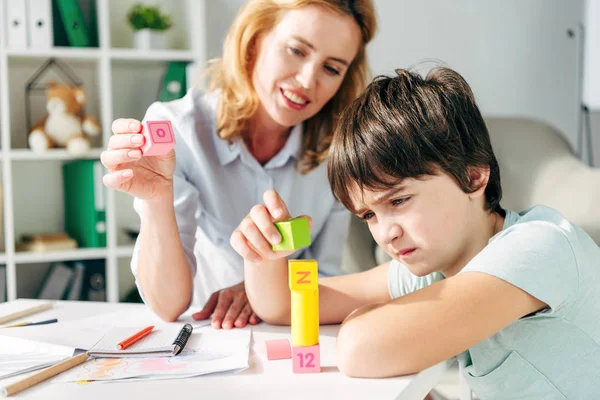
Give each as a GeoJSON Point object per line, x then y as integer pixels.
{"type": "Point", "coordinates": [159, 138]}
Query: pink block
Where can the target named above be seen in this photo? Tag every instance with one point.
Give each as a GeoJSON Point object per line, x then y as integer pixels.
{"type": "Point", "coordinates": [278, 349]}
{"type": "Point", "coordinates": [306, 359]}
{"type": "Point", "coordinates": [159, 138]}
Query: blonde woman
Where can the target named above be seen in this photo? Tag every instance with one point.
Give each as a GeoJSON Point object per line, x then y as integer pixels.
{"type": "Point", "coordinates": [288, 68]}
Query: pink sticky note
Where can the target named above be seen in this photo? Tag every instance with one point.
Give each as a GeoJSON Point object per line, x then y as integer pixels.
{"type": "Point", "coordinates": [278, 349]}
{"type": "Point", "coordinates": [306, 359]}
{"type": "Point", "coordinates": [159, 138]}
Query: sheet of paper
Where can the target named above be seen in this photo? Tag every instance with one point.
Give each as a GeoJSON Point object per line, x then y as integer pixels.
{"type": "Point", "coordinates": [208, 351]}
{"type": "Point", "coordinates": [19, 355]}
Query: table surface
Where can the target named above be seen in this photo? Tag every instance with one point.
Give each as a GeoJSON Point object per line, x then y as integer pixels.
{"type": "Point", "coordinates": [263, 379]}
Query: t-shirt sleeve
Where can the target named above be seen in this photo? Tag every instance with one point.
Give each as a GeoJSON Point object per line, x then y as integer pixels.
{"type": "Point", "coordinates": [536, 257]}
{"type": "Point", "coordinates": [402, 282]}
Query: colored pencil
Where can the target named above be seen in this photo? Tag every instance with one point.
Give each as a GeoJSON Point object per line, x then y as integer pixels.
{"type": "Point", "coordinates": [135, 338]}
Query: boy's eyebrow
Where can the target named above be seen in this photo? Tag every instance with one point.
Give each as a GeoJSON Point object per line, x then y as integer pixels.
{"type": "Point", "coordinates": [309, 44]}
{"type": "Point", "coordinates": [384, 197]}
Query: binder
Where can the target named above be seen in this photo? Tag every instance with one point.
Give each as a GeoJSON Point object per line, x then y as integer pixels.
{"type": "Point", "coordinates": [39, 24]}
{"type": "Point", "coordinates": [94, 281]}
{"type": "Point", "coordinates": [84, 201]}
{"type": "Point", "coordinates": [192, 75]}
{"type": "Point", "coordinates": [174, 85]}
{"type": "Point", "coordinates": [59, 32]}
{"type": "Point", "coordinates": [16, 24]}
{"type": "Point", "coordinates": [73, 22]}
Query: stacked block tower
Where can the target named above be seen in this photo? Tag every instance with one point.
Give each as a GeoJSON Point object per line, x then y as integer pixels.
{"type": "Point", "coordinates": [304, 287]}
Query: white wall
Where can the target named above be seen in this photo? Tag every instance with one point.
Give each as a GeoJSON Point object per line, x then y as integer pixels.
{"type": "Point", "coordinates": [516, 54]}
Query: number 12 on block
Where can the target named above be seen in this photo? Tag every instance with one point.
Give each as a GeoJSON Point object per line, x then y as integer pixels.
{"type": "Point", "coordinates": [306, 359]}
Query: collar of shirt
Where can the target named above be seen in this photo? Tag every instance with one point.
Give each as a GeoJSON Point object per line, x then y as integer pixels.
{"type": "Point", "coordinates": [227, 152]}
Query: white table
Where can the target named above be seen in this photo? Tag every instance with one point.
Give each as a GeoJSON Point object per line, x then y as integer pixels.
{"type": "Point", "coordinates": [262, 380]}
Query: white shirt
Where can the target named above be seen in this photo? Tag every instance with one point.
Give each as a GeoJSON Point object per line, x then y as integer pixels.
{"type": "Point", "coordinates": [216, 185]}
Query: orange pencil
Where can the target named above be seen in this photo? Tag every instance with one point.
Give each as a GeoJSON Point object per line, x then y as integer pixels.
{"type": "Point", "coordinates": [135, 338]}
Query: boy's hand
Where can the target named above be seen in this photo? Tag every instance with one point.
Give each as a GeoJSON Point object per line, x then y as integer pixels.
{"type": "Point", "coordinates": [255, 235]}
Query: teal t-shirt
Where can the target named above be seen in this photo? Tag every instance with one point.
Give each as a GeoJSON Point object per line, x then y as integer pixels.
{"type": "Point", "coordinates": [554, 353]}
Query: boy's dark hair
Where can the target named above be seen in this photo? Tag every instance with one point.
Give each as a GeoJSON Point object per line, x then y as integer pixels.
{"type": "Point", "coordinates": [407, 127]}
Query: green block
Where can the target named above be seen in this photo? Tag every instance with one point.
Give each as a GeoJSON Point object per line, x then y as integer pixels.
{"type": "Point", "coordinates": [295, 234]}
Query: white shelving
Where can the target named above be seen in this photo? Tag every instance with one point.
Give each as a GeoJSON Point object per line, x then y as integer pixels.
{"type": "Point", "coordinates": [121, 82]}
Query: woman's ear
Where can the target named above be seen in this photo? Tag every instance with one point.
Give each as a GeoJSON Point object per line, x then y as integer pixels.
{"type": "Point", "coordinates": [478, 180]}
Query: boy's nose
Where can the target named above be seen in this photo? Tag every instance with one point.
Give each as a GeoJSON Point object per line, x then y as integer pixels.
{"type": "Point", "coordinates": [390, 231]}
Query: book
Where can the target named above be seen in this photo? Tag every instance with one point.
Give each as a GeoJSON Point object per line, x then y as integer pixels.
{"type": "Point", "coordinates": [76, 287]}
{"type": "Point", "coordinates": [56, 282]}
{"type": "Point", "coordinates": [2, 283]}
{"type": "Point", "coordinates": [84, 200]}
{"type": "Point", "coordinates": [46, 242]}
{"type": "Point", "coordinates": [161, 342]}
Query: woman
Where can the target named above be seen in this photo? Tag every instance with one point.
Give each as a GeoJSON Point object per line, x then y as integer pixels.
{"type": "Point", "coordinates": [288, 69]}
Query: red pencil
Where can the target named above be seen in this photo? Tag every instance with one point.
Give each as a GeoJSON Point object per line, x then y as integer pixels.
{"type": "Point", "coordinates": [135, 338]}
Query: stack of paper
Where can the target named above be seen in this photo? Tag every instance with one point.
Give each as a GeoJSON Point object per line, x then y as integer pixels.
{"type": "Point", "coordinates": [207, 351]}
{"type": "Point", "coordinates": [19, 356]}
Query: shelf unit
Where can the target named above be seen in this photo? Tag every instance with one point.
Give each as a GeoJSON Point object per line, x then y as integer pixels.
{"type": "Point", "coordinates": [121, 82]}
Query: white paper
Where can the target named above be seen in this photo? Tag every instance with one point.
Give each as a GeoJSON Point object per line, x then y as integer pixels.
{"type": "Point", "coordinates": [207, 351]}
{"type": "Point", "coordinates": [21, 355]}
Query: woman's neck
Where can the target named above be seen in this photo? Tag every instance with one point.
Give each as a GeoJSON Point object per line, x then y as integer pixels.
{"type": "Point", "coordinates": [264, 137]}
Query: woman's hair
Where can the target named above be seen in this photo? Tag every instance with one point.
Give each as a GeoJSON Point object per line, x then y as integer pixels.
{"type": "Point", "coordinates": [232, 73]}
{"type": "Point", "coordinates": [409, 127]}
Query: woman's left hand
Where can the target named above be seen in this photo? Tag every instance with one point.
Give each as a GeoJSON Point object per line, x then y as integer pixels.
{"type": "Point", "coordinates": [229, 307]}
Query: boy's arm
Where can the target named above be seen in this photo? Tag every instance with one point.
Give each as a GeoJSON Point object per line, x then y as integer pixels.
{"type": "Point", "coordinates": [269, 294]}
{"type": "Point", "coordinates": [430, 325]}
{"type": "Point", "coordinates": [266, 271]}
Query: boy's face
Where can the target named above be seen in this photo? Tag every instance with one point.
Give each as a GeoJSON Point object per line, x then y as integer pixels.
{"type": "Point", "coordinates": [425, 224]}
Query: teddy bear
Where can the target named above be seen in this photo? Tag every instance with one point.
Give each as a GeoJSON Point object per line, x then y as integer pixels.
{"type": "Point", "coordinates": [64, 124]}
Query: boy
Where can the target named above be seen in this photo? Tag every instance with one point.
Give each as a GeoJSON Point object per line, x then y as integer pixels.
{"type": "Point", "coordinates": [514, 295]}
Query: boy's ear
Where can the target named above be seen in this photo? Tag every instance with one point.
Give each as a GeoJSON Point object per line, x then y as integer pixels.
{"type": "Point", "coordinates": [478, 177]}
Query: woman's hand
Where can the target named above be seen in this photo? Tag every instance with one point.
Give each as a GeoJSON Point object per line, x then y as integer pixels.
{"type": "Point", "coordinates": [256, 234]}
{"type": "Point", "coordinates": [229, 307]}
{"type": "Point", "coordinates": [146, 178]}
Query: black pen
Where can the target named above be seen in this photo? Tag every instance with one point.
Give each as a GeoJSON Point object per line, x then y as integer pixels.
{"type": "Point", "coordinates": [182, 338]}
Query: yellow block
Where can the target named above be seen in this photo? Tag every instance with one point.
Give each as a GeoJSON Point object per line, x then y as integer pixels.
{"type": "Point", "coordinates": [305, 318]}
{"type": "Point", "coordinates": [303, 275]}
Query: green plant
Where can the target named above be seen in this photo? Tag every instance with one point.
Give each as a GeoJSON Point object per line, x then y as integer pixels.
{"type": "Point", "coordinates": [141, 16]}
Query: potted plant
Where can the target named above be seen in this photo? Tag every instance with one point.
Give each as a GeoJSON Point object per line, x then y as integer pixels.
{"type": "Point", "coordinates": [149, 25]}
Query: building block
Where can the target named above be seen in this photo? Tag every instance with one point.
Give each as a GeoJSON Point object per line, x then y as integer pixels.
{"type": "Point", "coordinates": [295, 234]}
{"type": "Point", "coordinates": [306, 359]}
{"type": "Point", "coordinates": [303, 275]}
{"type": "Point", "coordinates": [159, 138]}
{"type": "Point", "coordinates": [278, 349]}
{"type": "Point", "coordinates": [305, 318]}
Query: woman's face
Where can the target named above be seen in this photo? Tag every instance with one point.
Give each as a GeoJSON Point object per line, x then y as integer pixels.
{"type": "Point", "coordinates": [301, 63]}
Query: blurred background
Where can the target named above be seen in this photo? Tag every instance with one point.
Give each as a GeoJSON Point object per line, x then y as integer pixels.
{"type": "Point", "coordinates": [64, 236]}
